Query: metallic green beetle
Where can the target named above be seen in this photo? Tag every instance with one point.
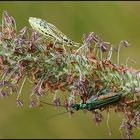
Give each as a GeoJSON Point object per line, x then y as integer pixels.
{"type": "Point", "coordinates": [103, 99]}
{"type": "Point", "coordinates": [94, 103]}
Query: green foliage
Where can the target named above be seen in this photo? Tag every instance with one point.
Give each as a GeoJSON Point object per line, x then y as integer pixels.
{"type": "Point", "coordinates": [83, 73]}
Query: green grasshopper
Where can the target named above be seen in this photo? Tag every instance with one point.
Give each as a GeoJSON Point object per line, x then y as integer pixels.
{"type": "Point", "coordinates": [50, 31]}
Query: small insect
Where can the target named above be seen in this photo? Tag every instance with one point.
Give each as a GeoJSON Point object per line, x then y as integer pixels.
{"type": "Point", "coordinates": [95, 102]}
{"type": "Point", "coordinates": [98, 101]}
{"type": "Point", "coordinates": [50, 31]}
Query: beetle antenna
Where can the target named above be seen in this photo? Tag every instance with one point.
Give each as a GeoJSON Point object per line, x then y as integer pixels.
{"type": "Point", "coordinates": [55, 115]}
{"type": "Point", "coordinates": [50, 104]}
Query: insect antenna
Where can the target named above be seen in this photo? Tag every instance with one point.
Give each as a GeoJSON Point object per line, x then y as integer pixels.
{"type": "Point", "coordinates": [55, 115]}
{"type": "Point", "coordinates": [58, 114]}
{"type": "Point", "coordinates": [50, 103]}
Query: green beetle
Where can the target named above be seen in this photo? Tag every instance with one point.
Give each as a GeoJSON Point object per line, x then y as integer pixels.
{"type": "Point", "coordinates": [103, 99]}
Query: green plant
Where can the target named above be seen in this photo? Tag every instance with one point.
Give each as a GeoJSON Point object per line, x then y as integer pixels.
{"type": "Point", "coordinates": [86, 74]}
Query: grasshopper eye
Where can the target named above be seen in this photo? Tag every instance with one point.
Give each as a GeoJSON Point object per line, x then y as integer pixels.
{"type": "Point", "coordinates": [70, 43]}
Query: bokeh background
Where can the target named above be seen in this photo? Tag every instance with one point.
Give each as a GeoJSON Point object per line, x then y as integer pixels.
{"type": "Point", "coordinates": [113, 22]}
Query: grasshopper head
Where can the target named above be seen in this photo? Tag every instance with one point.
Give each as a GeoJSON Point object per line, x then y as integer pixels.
{"type": "Point", "coordinates": [38, 24]}
{"type": "Point", "coordinates": [34, 22]}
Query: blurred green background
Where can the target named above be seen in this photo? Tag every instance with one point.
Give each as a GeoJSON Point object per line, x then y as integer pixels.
{"type": "Point", "coordinates": [113, 22]}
